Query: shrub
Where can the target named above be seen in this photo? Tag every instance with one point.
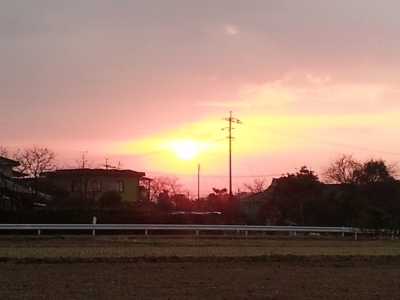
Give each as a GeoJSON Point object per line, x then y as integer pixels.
{"type": "Point", "coordinates": [110, 199]}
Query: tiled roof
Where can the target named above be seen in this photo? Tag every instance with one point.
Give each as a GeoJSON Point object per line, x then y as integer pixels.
{"type": "Point", "coordinates": [11, 185]}
{"type": "Point", "coordinates": [8, 162]}
{"type": "Point", "coordinates": [101, 172]}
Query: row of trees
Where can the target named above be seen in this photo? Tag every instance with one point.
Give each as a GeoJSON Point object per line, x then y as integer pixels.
{"type": "Point", "coordinates": [369, 196]}
{"type": "Point", "coordinates": [345, 169]}
{"type": "Point", "coordinates": [364, 195]}
{"type": "Point", "coordinates": [352, 193]}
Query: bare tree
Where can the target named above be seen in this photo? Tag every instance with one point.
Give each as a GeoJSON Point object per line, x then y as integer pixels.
{"type": "Point", "coordinates": [345, 169]}
{"type": "Point", "coordinates": [4, 151]}
{"type": "Point", "coordinates": [258, 185]}
{"type": "Point", "coordinates": [35, 160]}
{"type": "Point", "coordinates": [342, 169]}
{"type": "Point", "coordinates": [162, 185]}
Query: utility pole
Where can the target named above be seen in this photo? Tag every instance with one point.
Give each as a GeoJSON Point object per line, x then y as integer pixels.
{"type": "Point", "coordinates": [237, 121]}
{"type": "Point", "coordinates": [198, 182]}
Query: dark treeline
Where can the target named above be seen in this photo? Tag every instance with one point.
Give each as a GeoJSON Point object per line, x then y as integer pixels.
{"type": "Point", "coordinates": [302, 199]}
{"type": "Point", "coordinates": [356, 194]}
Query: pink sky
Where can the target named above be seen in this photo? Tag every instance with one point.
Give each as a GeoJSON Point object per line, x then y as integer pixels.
{"type": "Point", "coordinates": [124, 80]}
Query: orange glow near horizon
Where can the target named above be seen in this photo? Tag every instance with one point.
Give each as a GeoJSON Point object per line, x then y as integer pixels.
{"type": "Point", "coordinates": [169, 153]}
{"type": "Point", "coordinates": [180, 149]}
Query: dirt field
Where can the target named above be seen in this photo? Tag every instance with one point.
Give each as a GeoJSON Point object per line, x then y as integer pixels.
{"type": "Point", "coordinates": [194, 268]}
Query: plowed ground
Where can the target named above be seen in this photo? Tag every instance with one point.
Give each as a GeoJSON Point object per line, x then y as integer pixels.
{"type": "Point", "coordinates": [187, 268]}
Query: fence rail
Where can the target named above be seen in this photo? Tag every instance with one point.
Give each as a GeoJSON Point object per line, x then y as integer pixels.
{"type": "Point", "coordinates": [176, 227]}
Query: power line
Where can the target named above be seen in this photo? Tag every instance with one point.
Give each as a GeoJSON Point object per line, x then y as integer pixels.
{"type": "Point", "coordinates": [215, 176]}
{"type": "Point", "coordinates": [57, 128]}
{"type": "Point", "coordinates": [327, 142]}
{"type": "Point", "coordinates": [245, 160]}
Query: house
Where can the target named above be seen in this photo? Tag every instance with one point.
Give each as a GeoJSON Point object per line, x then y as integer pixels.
{"type": "Point", "coordinates": [251, 204]}
{"type": "Point", "coordinates": [7, 165]}
{"type": "Point", "coordinates": [93, 183]}
{"type": "Point", "coordinates": [13, 194]}
{"type": "Point", "coordinates": [7, 185]}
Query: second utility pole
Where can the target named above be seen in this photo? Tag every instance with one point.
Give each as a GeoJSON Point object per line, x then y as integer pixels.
{"type": "Point", "coordinates": [230, 120]}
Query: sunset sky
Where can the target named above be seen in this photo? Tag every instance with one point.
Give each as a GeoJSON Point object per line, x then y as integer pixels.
{"type": "Point", "coordinates": [132, 81]}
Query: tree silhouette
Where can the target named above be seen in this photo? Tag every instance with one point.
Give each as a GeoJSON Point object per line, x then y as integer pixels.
{"type": "Point", "coordinates": [342, 169]}
{"type": "Point", "coordinates": [35, 160]}
{"type": "Point", "coordinates": [4, 152]}
{"type": "Point", "coordinates": [258, 185]}
{"type": "Point", "coordinates": [293, 194]}
{"type": "Point", "coordinates": [162, 184]}
{"type": "Point", "coordinates": [345, 169]}
{"type": "Point", "coordinates": [373, 171]}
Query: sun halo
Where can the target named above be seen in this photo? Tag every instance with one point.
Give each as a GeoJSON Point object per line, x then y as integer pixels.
{"type": "Point", "coordinates": [185, 149]}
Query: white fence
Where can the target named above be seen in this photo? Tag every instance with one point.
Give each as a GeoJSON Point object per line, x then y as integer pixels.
{"type": "Point", "coordinates": [243, 229]}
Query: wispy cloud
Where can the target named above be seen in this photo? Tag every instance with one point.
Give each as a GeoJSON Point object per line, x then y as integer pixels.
{"type": "Point", "coordinates": [231, 29]}
{"type": "Point", "coordinates": [314, 94]}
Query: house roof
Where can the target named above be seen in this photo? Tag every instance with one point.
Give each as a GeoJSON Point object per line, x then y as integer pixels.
{"type": "Point", "coordinates": [19, 174]}
{"type": "Point", "coordinates": [262, 196]}
{"type": "Point", "coordinates": [93, 172]}
{"type": "Point", "coordinates": [4, 161]}
{"type": "Point", "coordinates": [12, 185]}
{"type": "Point", "coordinates": [146, 179]}
{"type": "Point", "coordinates": [9, 184]}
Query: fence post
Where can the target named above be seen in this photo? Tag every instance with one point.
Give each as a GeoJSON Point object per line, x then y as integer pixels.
{"type": "Point", "coordinates": [38, 232]}
{"type": "Point", "coordinates": [94, 224]}
{"type": "Point", "coordinates": [355, 235]}
{"type": "Point", "coordinates": [342, 231]}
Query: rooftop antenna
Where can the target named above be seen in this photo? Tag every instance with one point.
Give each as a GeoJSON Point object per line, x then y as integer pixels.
{"type": "Point", "coordinates": [107, 165]}
{"type": "Point", "coordinates": [84, 160]}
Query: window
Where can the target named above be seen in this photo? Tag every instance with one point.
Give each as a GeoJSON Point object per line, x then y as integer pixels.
{"type": "Point", "coordinates": [114, 185]}
{"type": "Point", "coordinates": [96, 186]}
{"type": "Point", "coordinates": [76, 186]}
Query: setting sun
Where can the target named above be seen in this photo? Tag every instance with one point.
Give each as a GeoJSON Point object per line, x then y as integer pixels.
{"type": "Point", "coordinates": [185, 149]}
